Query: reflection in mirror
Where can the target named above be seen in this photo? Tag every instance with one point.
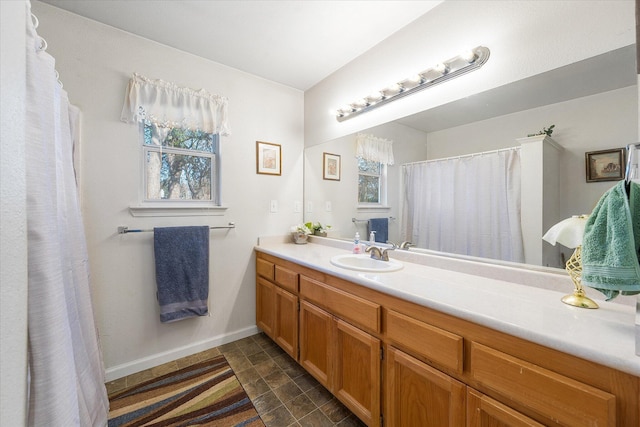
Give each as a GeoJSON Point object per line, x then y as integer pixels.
{"type": "Point", "coordinates": [593, 104]}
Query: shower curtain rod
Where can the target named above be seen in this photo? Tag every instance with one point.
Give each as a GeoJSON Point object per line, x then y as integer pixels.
{"type": "Point", "coordinates": [125, 230]}
{"type": "Point", "coordinates": [482, 153]}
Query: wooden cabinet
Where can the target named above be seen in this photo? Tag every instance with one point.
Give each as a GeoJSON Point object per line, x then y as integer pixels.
{"type": "Point", "coordinates": [277, 304]}
{"type": "Point", "coordinates": [356, 380]}
{"type": "Point", "coordinates": [316, 342]}
{"type": "Point", "coordinates": [440, 347]}
{"type": "Point", "coordinates": [561, 399]}
{"type": "Point", "coordinates": [265, 306]}
{"type": "Point", "coordinates": [285, 332]}
{"type": "Point", "coordinates": [439, 370]}
{"type": "Point", "coordinates": [483, 411]}
{"type": "Point", "coordinates": [343, 358]}
{"type": "Point", "coordinates": [416, 394]}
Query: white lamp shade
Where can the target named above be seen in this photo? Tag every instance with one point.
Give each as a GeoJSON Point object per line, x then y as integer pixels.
{"type": "Point", "coordinates": [568, 232]}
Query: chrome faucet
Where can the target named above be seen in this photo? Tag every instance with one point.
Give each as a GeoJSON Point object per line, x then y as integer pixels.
{"type": "Point", "coordinates": [406, 245]}
{"type": "Point", "coordinates": [377, 253]}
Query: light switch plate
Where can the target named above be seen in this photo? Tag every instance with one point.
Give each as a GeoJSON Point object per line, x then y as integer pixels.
{"type": "Point", "coordinates": [327, 206]}
{"type": "Point", "coordinates": [273, 206]}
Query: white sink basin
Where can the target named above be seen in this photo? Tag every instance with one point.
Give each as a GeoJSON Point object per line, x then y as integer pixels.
{"type": "Point", "coordinates": [364, 262]}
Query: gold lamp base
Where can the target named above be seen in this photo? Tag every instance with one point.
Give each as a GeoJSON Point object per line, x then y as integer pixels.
{"type": "Point", "coordinates": [574, 268]}
{"type": "Point", "coordinates": [579, 299]}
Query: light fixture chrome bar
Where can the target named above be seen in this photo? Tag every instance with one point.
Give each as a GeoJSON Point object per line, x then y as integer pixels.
{"type": "Point", "coordinates": [448, 70]}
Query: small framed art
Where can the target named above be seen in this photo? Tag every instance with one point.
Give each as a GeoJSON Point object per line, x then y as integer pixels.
{"type": "Point", "coordinates": [268, 158]}
{"type": "Point", "coordinates": [331, 166]}
{"type": "Point", "coordinates": [605, 165]}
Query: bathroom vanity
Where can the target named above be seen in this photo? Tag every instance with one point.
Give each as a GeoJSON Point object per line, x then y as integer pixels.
{"type": "Point", "coordinates": [445, 342]}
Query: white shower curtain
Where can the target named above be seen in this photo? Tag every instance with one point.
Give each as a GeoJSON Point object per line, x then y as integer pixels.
{"type": "Point", "coordinates": [467, 205]}
{"type": "Point", "coordinates": [66, 386]}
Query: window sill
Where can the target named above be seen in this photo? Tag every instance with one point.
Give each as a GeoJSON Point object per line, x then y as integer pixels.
{"type": "Point", "coordinates": [151, 211]}
{"type": "Point", "coordinates": [373, 207]}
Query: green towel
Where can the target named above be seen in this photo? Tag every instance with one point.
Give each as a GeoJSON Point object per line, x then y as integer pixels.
{"type": "Point", "coordinates": [611, 243]}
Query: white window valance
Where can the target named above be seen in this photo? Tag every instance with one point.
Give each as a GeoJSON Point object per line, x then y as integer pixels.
{"type": "Point", "coordinates": [372, 148]}
{"type": "Point", "coordinates": [168, 105]}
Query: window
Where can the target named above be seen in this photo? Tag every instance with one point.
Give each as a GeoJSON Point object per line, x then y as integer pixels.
{"type": "Point", "coordinates": [371, 182]}
{"type": "Point", "coordinates": [180, 164]}
{"type": "Point", "coordinates": [373, 154]}
{"type": "Point", "coordinates": [180, 132]}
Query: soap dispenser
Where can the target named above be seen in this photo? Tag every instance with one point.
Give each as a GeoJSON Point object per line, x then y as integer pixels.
{"type": "Point", "coordinates": [372, 237]}
{"type": "Point", "coordinates": [356, 244]}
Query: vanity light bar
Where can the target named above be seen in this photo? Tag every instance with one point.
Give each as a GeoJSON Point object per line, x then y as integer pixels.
{"type": "Point", "coordinates": [447, 70]}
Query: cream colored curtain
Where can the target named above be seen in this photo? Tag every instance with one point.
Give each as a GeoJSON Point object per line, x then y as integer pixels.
{"type": "Point", "coordinates": [169, 105]}
{"type": "Point", "coordinates": [372, 148]}
{"type": "Point", "coordinates": [468, 205]}
{"type": "Point", "coordinates": [66, 385]}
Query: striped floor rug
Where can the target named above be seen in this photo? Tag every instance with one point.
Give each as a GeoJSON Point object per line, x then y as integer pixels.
{"type": "Point", "coordinates": [205, 394]}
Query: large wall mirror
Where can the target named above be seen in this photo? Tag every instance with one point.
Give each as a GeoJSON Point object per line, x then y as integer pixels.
{"type": "Point", "coordinates": [592, 103]}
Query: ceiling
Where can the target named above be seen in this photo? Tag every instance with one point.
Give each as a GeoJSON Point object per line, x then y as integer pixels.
{"type": "Point", "coordinates": [294, 42]}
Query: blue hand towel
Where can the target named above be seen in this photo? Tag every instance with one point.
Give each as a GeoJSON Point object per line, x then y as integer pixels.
{"type": "Point", "coordinates": [381, 227]}
{"type": "Point", "coordinates": [611, 243]}
{"type": "Point", "coordinates": [182, 271]}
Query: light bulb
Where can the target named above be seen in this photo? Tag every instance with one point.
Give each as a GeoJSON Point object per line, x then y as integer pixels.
{"type": "Point", "coordinates": [469, 56]}
{"type": "Point", "coordinates": [361, 102]}
{"type": "Point", "coordinates": [394, 88]}
{"type": "Point", "coordinates": [416, 79]}
{"type": "Point", "coordinates": [441, 68]}
{"type": "Point", "coordinates": [375, 96]}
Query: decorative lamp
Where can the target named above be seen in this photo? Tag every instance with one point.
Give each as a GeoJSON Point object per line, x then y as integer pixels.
{"type": "Point", "coordinates": [569, 233]}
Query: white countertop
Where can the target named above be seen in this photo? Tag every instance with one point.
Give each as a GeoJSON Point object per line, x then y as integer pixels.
{"type": "Point", "coordinates": [605, 335]}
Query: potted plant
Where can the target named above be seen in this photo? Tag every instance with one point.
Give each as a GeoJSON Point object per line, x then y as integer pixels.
{"type": "Point", "coordinates": [300, 233]}
{"type": "Point", "coordinates": [318, 229]}
{"type": "Point", "coordinates": [545, 131]}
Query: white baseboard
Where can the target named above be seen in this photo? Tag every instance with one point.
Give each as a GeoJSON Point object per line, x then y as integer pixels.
{"type": "Point", "coordinates": [129, 368]}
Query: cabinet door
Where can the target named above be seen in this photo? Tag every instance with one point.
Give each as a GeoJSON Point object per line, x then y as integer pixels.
{"type": "Point", "coordinates": [316, 342]}
{"type": "Point", "coordinates": [286, 321]}
{"type": "Point", "coordinates": [419, 395]}
{"type": "Point", "coordinates": [483, 411]}
{"type": "Point", "coordinates": [562, 400]}
{"type": "Point", "coordinates": [265, 306]}
{"type": "Point", "coordinates": [357, 372]}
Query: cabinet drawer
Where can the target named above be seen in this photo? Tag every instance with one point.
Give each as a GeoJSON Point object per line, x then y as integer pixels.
{"type": "Point", "coordinates": [287, 279]}
{"type": "Point", "coordinates": [437, 345]}
{"type": "Point", "coordinates": [344, 305]}
{"type": "Point", "coordinates": [484, 411]}
{"type": "Point", "coordinates": [563, 399]}
{"type": "Point", "coordinates": [265, 268]}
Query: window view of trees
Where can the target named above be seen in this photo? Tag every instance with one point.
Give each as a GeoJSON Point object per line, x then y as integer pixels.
{"type": "Point", "coordinates": [180, 163]}
{"type": "Point", "coordinates": [369, 174]}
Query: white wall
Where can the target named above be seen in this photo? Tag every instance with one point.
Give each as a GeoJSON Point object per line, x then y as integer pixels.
{"type": "Point", "coordinates": [95, 62]}
{"type": "Point", "coordinates": [13, 220]}
{"type": "Point", "coordinates": [525, 38]}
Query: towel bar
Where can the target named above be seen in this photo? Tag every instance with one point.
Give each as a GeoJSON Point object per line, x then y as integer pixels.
{"type": "Point", "coordinates": [391, 218]}
{"type": "Point", "coordinates": [125, 230]}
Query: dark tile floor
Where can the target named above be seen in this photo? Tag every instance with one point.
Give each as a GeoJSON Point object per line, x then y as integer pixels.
{"type": "Point", "coordinates": [282, 392]}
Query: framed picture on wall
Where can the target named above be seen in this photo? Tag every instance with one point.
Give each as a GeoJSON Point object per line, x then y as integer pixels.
{"type": "Point", "coordinates": [331, 166]}
{"type": "Point", "coordinates": [605, 165]}
{"type": "Point", "coordinates": [268, 158]}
